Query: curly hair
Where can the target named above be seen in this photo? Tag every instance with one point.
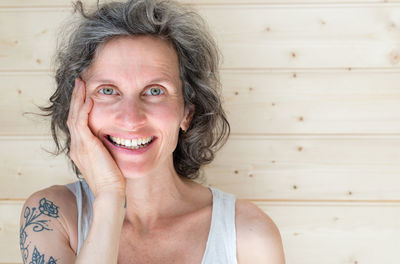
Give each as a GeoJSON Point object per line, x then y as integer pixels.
{"type": "Point", "coordinates": [198, 68]}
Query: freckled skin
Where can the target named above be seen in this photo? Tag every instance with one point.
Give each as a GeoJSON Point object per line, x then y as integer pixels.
{"type": "Point", "coordinates": [131, 68]}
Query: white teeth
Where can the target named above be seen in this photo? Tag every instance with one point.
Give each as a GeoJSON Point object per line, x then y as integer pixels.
{"type": "Point", "coordinates": [131, 143]}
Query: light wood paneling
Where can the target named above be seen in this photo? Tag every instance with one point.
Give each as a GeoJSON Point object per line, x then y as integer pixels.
{"type": "Point", "coordinates": [313, 233]}
{"type": "Point", "coordinates": [23, 92]}
{"type": "Point", "coordinates": [296, 168]}
{"type": "Point", "coordinates": [26, 167]}
{"type": "Point", "coordinates": [9, 232]}
{"type": "Point", "coordinates": [63, 3]}
{"type": "Point", "coordinates": [312, 102]}
{"type": "Point", "coordinates": [249, 36]}
{"type": "Point", "coordinates": [306, 37]}
{"type": "Point", "coordinates": [311, 90]}
{"type": "Point", "coordinates": [308, 168]}
{"type": "Point", "coordinates": [256, 102]}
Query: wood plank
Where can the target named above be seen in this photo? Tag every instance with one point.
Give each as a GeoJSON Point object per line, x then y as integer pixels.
{"type": "Point", "coordinates": [306, 37]}
{"type": "Point", "coordinates": [27, 167]}
{"type": "Point", "coordinates": [249, 36]}
{"type": "Point", "coordinates": [9, 232]}
{"type": "Point", "coordinates": [23, 93]}
{"type": "Point", "coordinates": [63, 3]}
{"type": "Point", "coordinates": [306, 168]}
{"type": "Point", "coordinates": [337, 233]}
{"type": "Point", "coordinates": [256, 102]}
{"type": "Point", "coordinates": [312, 102]}
{"type": "Point", "coordinates": [276, 168]}
{"type": "Point", "coordinates": [328, 233]}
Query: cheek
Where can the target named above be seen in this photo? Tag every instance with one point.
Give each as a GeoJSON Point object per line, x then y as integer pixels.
{"type": "Point", "coordinates": [168, 120]}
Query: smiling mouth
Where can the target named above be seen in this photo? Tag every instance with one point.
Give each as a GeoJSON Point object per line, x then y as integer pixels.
{"type": "Point", "coordinates": [137, 143]}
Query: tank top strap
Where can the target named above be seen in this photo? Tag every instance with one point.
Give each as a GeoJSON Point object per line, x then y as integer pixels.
{"type": "Point", "coordinates": [84, 201]}
{"type": "Point", "coordinates": [221, 244]}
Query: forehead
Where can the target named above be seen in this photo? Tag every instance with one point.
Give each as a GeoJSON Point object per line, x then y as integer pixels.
{"type": "Point", "coordinates": [133, 57]}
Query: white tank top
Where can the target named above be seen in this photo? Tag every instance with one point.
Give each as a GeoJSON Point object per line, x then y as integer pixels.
{"type": "Point", "coordinates": [221, 242]}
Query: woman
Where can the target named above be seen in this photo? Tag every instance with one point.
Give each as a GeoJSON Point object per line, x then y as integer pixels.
{"type": "Point", "coordinates": [137, 103]}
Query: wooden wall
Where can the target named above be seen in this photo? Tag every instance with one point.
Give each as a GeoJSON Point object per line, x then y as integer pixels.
{"type": "Point", "coordinates": [312, 89]}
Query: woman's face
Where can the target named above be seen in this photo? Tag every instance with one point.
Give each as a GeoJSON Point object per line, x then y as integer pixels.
{"type": "Point", "coordinates": [138, 103]}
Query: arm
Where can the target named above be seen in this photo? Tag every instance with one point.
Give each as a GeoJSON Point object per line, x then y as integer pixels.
{"type": "Point", "coordinates": [47, 230]}
{"type": "Point", "coordinates": [46, 234]}
{"type": "Point", "coordinates": [258, 238]}
{"type": "Point", "coordinates": [102, 242]}
{"type": "Point", "coordinates": [104, 178]}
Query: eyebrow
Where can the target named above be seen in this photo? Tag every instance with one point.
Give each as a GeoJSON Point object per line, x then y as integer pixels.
{"type": "Point", "coordinates": [150, 81]}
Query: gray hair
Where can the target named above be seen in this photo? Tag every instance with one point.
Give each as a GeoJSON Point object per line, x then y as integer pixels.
{"type": "Point", "coordinates": [198, 66]}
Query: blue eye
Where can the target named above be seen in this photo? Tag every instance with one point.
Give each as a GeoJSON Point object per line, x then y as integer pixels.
{"type": "Point", "coordinates": [154, 91]}
{"type": "Point", "coordinates": [107, 91]}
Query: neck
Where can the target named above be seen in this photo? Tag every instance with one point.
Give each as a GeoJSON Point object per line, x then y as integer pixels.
{"type": "Point", "coordinates": [156, 196]}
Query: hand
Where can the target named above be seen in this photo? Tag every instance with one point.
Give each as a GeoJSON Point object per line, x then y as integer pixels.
{"type": "Point", "coordinates": [87, 151]}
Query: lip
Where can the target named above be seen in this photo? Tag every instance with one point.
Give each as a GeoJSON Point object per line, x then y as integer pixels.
{"type": "Point", "coordinates": [128, 137]}
{"type": "Point", "coordinates": [126, 150]}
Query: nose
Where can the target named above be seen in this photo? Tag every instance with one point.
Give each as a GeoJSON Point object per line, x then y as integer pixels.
{"type": "Point", "coordinates": [131, 115]}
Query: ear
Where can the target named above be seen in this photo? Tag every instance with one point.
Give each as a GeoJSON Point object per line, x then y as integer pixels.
{"type": "Point", "coordinates": [188, 116]}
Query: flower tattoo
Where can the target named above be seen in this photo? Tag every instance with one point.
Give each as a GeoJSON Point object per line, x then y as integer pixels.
{"type": "Point", "coordinates": [46, 208]}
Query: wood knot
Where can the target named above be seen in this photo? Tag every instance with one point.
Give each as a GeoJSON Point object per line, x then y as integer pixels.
{"type": "Point", "coordinates": [236, 172]}
{"type": "Point", "coordinates": [394, 57]}
{"type": "Point", "coordinates": [273, 104]}
{"type": "Point", "coordinates": [19, 91]}
{"type": "Point", "coordinates": [300, 148]}
{"type": "Point", "coordinates": [268, 29]}
{"type": "Point", "coordinates": [294, 75]}
{"type": "Point", "coordinates": [294, 187]}
{"type": "Point", "coordinates": [301, 119]}
{"type": "Point", "coordinates": [236, 93]}
{"type": "Point", "coordinates": [293, 55]}
{"type": "Point", "coordinates": [38, 61]}
{"type": "Point", "coordinates": [273, 161]}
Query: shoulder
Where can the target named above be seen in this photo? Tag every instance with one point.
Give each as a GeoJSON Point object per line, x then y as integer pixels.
{"type": "Point", "coordinates": [58, 204]}
{"type": "Point", "coordinates": [258, 238]}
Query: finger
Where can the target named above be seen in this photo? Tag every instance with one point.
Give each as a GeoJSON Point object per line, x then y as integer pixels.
{"type": "Point", "coordinates": [76, 100]}
{"type": "Point", "coordinates": [83, 118]}
{"type": "Point", "coordinates": [72, 106]}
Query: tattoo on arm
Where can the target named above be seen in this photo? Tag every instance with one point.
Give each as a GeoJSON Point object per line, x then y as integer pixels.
{"type": "Point", "coordinates": [32, 219]}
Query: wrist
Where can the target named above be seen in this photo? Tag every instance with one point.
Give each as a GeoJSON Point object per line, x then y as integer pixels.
{"type": "Point", "coordinates": [115, 199]}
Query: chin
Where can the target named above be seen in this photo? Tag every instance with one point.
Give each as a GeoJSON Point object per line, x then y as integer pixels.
{"type": "Point", "coordinates": [133, 171]}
